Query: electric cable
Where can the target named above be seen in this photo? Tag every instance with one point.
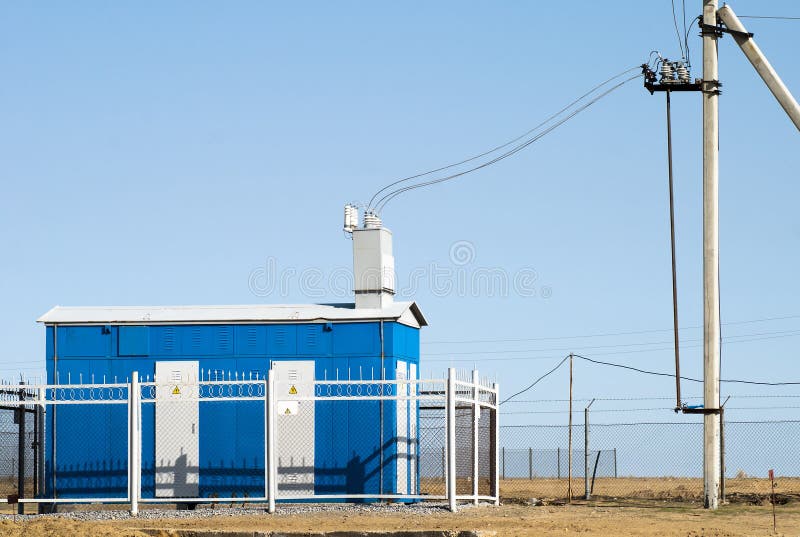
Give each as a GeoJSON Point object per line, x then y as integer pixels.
{"type": "Point", "coordinates": [677, 31]}
{"type": "Point", "coordinates": [690, 379]}
{"type": "Point", "coordinates": [686, 35]}
{"type": "Point", "coordinates": [510, 142]}
{"type": "Point", "coordinates": [756, 336]}
{"type": "Point", "coordinates": [608, 334]}
{"type": "Point", "coordinates": [381, 203]}
{"type": "Point", "coordinates": [535, 382]}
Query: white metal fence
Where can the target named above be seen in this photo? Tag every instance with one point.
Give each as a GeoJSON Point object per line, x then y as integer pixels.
{"type": "Point", "coordinates": [279, 439]}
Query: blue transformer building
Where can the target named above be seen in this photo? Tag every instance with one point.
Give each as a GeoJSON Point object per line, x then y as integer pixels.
{"type": "Point", "coordinates": [342, 447]}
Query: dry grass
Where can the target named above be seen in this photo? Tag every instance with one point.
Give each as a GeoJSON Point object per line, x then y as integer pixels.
{"type": "Point", "coordinates": [751, 490]}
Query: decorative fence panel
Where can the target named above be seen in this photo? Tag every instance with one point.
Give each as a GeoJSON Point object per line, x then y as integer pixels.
{"type": "Point", "coordinates": [184, 438]}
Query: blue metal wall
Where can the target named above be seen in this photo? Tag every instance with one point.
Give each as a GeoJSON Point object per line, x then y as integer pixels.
{"type": "Point", "coordinates": [90, 442]}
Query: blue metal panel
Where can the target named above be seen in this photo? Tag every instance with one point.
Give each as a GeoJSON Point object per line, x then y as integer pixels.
{"type": "Point", "coordinates": [250, 339]}
{"type": "Point", "coordinates": [314, 340]}
{"type": "Point", "coordinates": [356, 339]}
{"type": "Point", "coordinates": [83, 341]}
{"type": "Point", "coordinates": [206, 340]}
{"type": "Point", "coordinates": [282, 340]}
{"type": "Point", "coordinates": [164, 340]}
{"type": "Point", "coordinates": [134, 340]}
{"type": "Point", "coordinates": [403, 341]}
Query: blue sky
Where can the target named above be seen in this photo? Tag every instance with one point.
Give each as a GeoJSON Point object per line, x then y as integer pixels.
{"type": "Point", "coordinates": [160, 153]}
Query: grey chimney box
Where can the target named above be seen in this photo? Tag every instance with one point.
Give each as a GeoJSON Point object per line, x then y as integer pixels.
{"type": "Point", "coordinates": [373, 267]}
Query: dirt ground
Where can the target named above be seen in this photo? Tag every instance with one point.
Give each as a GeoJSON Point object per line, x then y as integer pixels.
{"type": "Point", "coordinates": [620, 507]}
{"type": "Point", "coordinates": [640, 521]}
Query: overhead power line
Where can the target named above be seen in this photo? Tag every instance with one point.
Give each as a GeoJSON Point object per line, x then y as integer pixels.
{"type": "Point", "coordinates": [645, 372]}
{"type": "Point", "coordinates": [647, 423]}
{"type": "Point", "coordinates": [649, 409]}
{"type": "Point", "coordinates": [690, 379]}
{"type": "Point", "coordinates": [677, 31]}
{"type": "Point", "coordinates": [377, 204]}
{"type": "Point", "coordinates": [606, 334]}
{"type": "Point", "coordinates": [651, 398]}
{"type": "Point", "coordinates": [757, 336]}
{"type": "Point", "coordinates": [535, 382]}
{"type": "Point", "coordinates": [611, 353]}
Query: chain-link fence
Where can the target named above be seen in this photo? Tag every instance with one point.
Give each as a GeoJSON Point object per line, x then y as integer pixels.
{"type": "Point", "coordinates": [20, 428]}
{"type": "Point", "coordinates": [646, 460]}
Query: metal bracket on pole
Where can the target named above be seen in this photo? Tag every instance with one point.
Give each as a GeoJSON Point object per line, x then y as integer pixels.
{"type": "Point", "coordinates": [715, 84]}
{"type": "Point", "coordinates": [718, 30]}
{"type": "Point", "coordinates": [689, 410]}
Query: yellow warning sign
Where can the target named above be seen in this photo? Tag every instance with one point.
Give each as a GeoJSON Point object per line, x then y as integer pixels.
{"type": "Point", "coordinates": [288, 411]}
{"type": "Point", "coordinates": [176, 391]}
{"type": "Point", "coordinates": [292, 390]}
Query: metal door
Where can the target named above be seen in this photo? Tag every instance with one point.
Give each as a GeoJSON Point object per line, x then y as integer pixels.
{"type": "Point", "coordinates": [177, 430]}
{"type": "Point", "coordinates": [294, 379]}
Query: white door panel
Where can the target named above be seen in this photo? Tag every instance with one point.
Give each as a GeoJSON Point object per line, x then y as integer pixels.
{"type": "Point", "coordinates": [295, 426]}
{"type": "Point", "coordinates": [177, 416]}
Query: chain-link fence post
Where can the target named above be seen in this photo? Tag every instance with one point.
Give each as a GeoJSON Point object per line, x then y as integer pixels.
{"type": "Point", "coordinates": [588, 490]}
{"type": "Point", "coordinates": [722, 452]}
{"type": "Point", "coordinates": [272, 471]}
{"type": "Point", "coordinates": [451, 438]}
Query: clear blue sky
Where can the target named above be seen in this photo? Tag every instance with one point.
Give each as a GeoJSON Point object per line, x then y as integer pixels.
{"type": "Point", "coordinates": [159, 153]}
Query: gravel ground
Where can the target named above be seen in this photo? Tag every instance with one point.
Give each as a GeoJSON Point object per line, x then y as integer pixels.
{"type": "Point", "coordinates": [207, 511]}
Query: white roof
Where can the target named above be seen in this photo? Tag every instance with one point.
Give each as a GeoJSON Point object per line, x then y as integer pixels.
{"type": "Point", "coordinates": [407, 313]}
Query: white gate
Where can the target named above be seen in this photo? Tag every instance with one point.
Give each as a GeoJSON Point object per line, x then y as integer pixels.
{"type": "Point", "coordinates": [177, 430]}
{"type": "Point", "coordinates": [294, 381]}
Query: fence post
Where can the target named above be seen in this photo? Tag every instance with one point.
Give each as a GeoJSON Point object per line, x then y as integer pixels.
{"type": "Point", "coordinates": [271, 470]}
{"type": "Point", "coordinates": [530, 463]}
{"type": "Point", "coordinates": [21, 451]}
{"type": "Point", "coordinates": [615, 462]}
{"type": "Point", "coordinates": [135, 439]}
{"type": "Point", "coordinates": [451, 438]}
{"type": "Point", "coordinates": [588, 490]}
{"type": "Point", "coordinates": [496, 435]}
{"type": "Point", "coordinates": [722, 452]}
{"type": "Point", "coordinates": [558, 462]}
{"type": "Point", "coordinates": [476, 417]}
{"type": "Point", "coordinates": [587, 494]}
{"type": "Point", "coordinates": [503, 462]}
{"type": "Point", "coordinates": [266, 437]}
{"type": "Point", "coordinates": [40, 413]}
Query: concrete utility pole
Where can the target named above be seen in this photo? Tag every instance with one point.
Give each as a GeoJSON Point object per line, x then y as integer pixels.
{"type": "Point", "coordinates": [761, 64]}
{"type": "Point", "coordinates": [711, 321]}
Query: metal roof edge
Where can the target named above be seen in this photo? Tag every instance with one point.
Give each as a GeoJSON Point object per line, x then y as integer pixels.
{"type": "Point", "coordinates": [96, 315]}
